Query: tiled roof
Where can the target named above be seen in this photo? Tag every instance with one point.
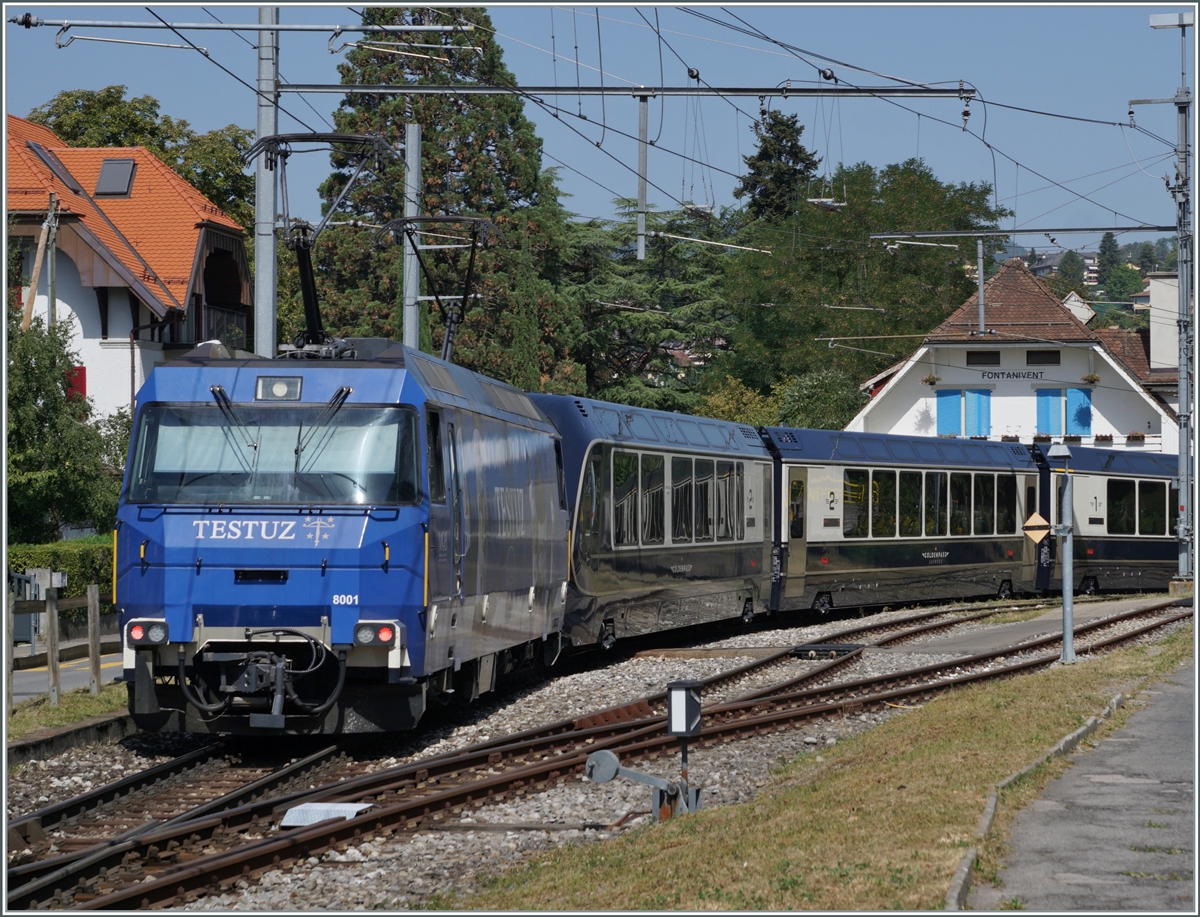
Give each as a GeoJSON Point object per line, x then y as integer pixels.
{"type": "Point", "coordinates": [1018, 308]}
{"type": "Point", "coordinates": [1131, 347]}
{"type": "Point", "coordinates": [153, 232]}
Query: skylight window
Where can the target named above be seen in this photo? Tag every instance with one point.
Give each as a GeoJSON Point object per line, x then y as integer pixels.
{"type": "Point", "coordinates": [54, 164]}
{"type": "Point", "coordinates": [116, 178]}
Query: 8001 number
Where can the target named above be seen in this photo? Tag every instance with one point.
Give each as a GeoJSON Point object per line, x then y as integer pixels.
{"type": "Point", "coordinates": [345, 600]}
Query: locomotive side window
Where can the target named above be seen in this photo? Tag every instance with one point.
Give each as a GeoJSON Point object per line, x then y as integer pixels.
{"type": "Point", "coordinates": [726, 502]}
{"type": "Point", "coordinates": [1006, 504]}
{"type": "Point", "coordinates": [935, 503]}
{"type": "Point", "coordinates": [1172, 509]}
{"type": "Point", "coordinates": [1122, 507]}
{"type": "Point", "coordinates": [960, 504]}
{"type": "Point", "coordinates": [854, 503]}
{"type": "Point", "coordinates": [653, 503]}
{"type": "Point", "coordinates": [433, 452]}
{"type": "Point", "coordinates": [704, 500]}
{"type": "Point", "coordinates": [985, 503]}
{"type": "Point", "coordinates": [681, 499]}
{"type": "Point", "coordinates": [910, 503]}
{"type": "Point", "coordinates": [1152, 508]}
{"type": "Point", "coordinates": [883, 504]}
{"type": "Point", "coordinates": [796, 510]}
{"type": "Point", "coordinates": [1030, 501]}
{"type": "Point", "coordinates": [625, 497]}
{"type": "Point", "coordinates": [589, 506]}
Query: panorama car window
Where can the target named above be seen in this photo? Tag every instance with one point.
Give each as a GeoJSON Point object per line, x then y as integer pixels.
{"type": "Point", "coordinates": [276, 454]}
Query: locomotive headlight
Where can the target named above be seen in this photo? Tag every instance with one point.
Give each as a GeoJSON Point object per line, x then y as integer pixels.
{"type": "Point", "coordinates": [148, 633]}
{"type": "Point", "coordinates": [374, 633]}
{"type": "Point", "coordinates": [277, 388]}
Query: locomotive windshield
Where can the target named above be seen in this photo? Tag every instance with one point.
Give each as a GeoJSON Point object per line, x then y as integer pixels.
{"type": "Point", "coordinates": [199, 453]}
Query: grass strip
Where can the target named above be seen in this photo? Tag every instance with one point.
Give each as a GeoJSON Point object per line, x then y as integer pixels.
{"type": "Point", "coordinates": [880, 823]}
{"type": "Point", "coordinates": [73, 707]}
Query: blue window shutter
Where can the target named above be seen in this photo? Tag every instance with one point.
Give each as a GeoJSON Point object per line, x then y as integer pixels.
{"type": "Point", "coordinates": [1079, 411]}
{"type": "Point", "coordinates": [1049, 410]}
{"type": "Point", "coordinates": [949, 412]}
{"type": "Point", "coordinates": [979, 412]}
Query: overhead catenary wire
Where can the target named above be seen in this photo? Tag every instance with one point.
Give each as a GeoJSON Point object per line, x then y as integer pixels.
{"type": "Point", "coordinates": [755, 32]}
{"type": "Point", "coordinates": [221, 66]}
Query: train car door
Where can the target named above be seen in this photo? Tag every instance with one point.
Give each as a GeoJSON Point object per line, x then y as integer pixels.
{"type": "Point", "coordinates": [795, 524]}
{"type": "Point", "coordinates": [458, 548]}
{"type": "Point", "coordinates": [445, 509]}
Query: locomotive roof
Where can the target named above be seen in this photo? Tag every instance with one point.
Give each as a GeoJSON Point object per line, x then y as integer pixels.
{"type": "Point", "coordinates": [439, 381]}
{"type": "Point", "coordinates": [589, 420]}
{"type": "Point", "coordinates": [866, 448]}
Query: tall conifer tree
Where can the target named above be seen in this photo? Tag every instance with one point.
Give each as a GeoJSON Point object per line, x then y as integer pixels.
{"type": "Point", "coordinates": [480, 157]}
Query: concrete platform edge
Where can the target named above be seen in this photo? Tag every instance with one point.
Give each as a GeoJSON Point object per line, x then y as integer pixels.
{"type": "Point", "coordinates": [960, 884]}
{"type": "Point", "coordinates": [105, 729]}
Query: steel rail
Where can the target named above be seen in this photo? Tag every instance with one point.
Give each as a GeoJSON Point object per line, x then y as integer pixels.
{"type": "Point", "coordinates": [25, 880]}
{"type": "Point", "coordinates": [647, 738]}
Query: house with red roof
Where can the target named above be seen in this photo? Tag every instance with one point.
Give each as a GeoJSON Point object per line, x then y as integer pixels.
{"type": "Point", "coordinates": [143, 264]}
{"type": "Point", "coordinates": [1027, 369]}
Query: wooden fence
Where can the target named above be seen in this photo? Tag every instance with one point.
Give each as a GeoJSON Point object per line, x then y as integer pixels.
{"type": "Point", "coordinates": [51, 606]}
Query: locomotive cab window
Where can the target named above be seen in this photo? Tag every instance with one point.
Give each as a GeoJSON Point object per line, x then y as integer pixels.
{"type": "Point", "coordinates": [1006, 504]}
{"type": "Point", "coordinates": [433, 455]}
{"type": "Point", "coordinates": [275, 453]}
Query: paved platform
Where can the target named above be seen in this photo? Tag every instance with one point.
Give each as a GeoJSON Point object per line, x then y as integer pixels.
{"type": "Point", "coordinates": [1117, 831]}
{"type": "Point", "coordinates": [1049, 621]}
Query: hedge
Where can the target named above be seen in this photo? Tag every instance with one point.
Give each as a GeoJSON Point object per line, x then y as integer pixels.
{"type": "Point", "coordinates": [84, 560]}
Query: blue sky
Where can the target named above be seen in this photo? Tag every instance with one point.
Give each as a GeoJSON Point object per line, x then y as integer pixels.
{"type": "Point", "coordinates": [1085, 61]}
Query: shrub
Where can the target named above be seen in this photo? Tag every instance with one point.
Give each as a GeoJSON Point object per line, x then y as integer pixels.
{"type": "Point", "coordinates": [84, 560]}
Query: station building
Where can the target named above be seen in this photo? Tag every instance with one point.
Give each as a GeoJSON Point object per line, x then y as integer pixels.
{"type": "Point", "coordinates": [1035, 372]}
{"type": "Point", "coordinates": [144, 264]}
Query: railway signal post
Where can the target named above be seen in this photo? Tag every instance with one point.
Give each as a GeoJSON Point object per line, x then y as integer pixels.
{"type": "Point", "coordinates": [1067, 552]}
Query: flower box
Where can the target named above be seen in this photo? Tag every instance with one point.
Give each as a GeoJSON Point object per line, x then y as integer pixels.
{"type": "Point", "coordinates": [1103, 438]}
{"type": "Point", "coordinates": [1010, 439]}
{"type": "Point", "coordinates": [1072, 438]}
{"type": "Point", "coordinates": [1041, 438]}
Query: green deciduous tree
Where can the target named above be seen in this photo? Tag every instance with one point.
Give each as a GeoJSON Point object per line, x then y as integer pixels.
{"type": "Point", "coordinates": [824, 399]}
{"type": "Point", "coordinates": [1123, 282]}
{"type": "Point", "coordinates": [779, 171]}
{"type": "Point", "coordinates": [825, 278]}
{"type": "Point", "coordinates": [1070, 277]}
{"type": "Point", "coordinates": [55, 457]}
{"type": "Point", "coordinates": [211, 161]}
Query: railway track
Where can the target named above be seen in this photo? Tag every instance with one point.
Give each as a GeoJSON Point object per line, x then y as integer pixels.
{"type": "Point", "coordinates": [166, 862]}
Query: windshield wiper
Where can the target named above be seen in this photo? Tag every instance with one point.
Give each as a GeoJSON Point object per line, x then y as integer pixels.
{"type": "Point", "coordinates": [231, 417]}
{"type": "Point", "coordinates": [334, 405]}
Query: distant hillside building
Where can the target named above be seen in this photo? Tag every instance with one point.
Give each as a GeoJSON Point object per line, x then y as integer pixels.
{"type": "Point", "coordinates": [1047, 266]}
{"type": "Point", "coordinates": [138, 251]}
{"type": "Point", "coordinates": [1036, 373]}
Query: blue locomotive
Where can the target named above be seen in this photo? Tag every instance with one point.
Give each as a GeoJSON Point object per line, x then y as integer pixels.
{"type": "Point", "coordinates": [326, 546]}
